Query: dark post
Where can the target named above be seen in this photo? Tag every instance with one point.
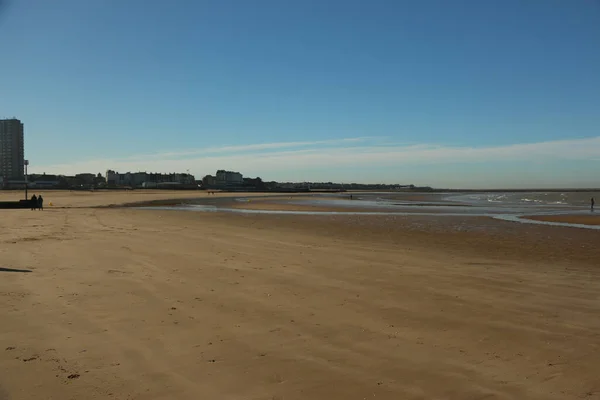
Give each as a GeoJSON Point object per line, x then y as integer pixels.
{"type": "Point", "coordinates": [26, 182]}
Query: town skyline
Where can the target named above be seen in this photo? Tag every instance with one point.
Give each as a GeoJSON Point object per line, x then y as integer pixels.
{"type": "Point", "coordinates": [264, 159]}
{"type": "Point", "coordinates": [349, 150]}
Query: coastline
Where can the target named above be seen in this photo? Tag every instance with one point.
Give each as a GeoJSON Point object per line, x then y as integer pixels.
{"type": "Point", "coordinates": [582, 219]}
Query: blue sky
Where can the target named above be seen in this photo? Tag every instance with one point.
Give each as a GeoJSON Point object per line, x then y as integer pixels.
{"type": "Point", "coordinates": [494, 93]}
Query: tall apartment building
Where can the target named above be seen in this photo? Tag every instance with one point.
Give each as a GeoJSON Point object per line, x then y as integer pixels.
{"type": "Point", "coordinates": [12, 152]}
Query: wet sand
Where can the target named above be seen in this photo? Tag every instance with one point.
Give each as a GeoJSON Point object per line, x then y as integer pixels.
{"type": "Point", "coordinates": [312, 203]}
{"type": "Point", "coordinates": [139, 304]}
{"type": "Point", "coordinates": [590, 219]}
{"type": "Point", "coordinates": [300, 203]}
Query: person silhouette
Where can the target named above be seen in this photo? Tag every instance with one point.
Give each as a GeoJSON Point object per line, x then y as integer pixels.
{"type": "Point", "coordinates": [40, 202]}
{"type": "Point", "coordinates": [592, 202]}
{"type": "Point", "coordinates": [34, 202]}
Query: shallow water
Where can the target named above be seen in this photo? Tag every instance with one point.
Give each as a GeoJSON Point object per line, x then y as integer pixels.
{"type": "Point", "coordinates": [517, 218]}
{"type": "Point", "coordinates": [531, 199]}
{"type": "Point", "coordinates": [504, 206]}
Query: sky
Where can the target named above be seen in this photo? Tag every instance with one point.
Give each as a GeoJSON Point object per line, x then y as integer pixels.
{"type": "Point", "coordinates": [460, 94]}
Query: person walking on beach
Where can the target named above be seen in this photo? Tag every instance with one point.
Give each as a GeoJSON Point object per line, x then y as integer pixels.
{"type": "Point", "coordinates": [41, 202]}
{"type": "Point", "coordinates": [592, 202]}
{"type": "Point", "coordinates": [34, 202]}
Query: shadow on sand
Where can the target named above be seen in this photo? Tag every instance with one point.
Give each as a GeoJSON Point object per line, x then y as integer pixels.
{"type": "Point", "coordinates": [14, 270]}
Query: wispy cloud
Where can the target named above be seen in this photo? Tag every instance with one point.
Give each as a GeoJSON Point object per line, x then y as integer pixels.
{"type": "Point", "coordinates": [278, 160]}
{"type": "Point", "coordinates": [250, 148]}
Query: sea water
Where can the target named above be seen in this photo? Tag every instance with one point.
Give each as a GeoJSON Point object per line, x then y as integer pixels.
{"type": "Point", "coordinates": [508, 206]}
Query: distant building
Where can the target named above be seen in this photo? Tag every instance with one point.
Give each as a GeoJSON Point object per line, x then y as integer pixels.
{"type": "Point", "coordinates": [86, 179]}
{"type": "Point", "coordinates": [228, 178]}
{"type": "Point", "coordinates": [254, 183]}
{"type": "Point", "coordinates": [112, 178]}
{"type": "Point", "coordinates": [148, 180]}
{"type": "Point", "coordinates": [12, 151]}
{"type": "Point", "coordinates": [43, 181]}
{"type": "Point", "coordinates": [209, 181]}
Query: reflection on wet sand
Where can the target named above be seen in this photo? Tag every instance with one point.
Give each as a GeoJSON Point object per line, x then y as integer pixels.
{"type": "Point", "coordinates": [587, 219]}
{"type": "Point", "coordinates": [555, 208]}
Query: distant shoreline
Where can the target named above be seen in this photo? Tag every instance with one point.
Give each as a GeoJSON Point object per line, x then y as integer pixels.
{"type": "Point", "coordinates": [300, 191]}
{"type": "Point", "coordinates": [580, 190]}
{"type": "Point", "coordinates": [581, 219]}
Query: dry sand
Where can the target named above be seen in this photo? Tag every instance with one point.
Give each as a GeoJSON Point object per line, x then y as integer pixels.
{"type": "Point", "coordinates": [140, 304]}
{"type": "Point", "coordinates": [86, 198]}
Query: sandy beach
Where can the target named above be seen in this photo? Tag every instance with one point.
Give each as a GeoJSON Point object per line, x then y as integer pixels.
{"type": "Point", "coordinates": [123, 303]}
